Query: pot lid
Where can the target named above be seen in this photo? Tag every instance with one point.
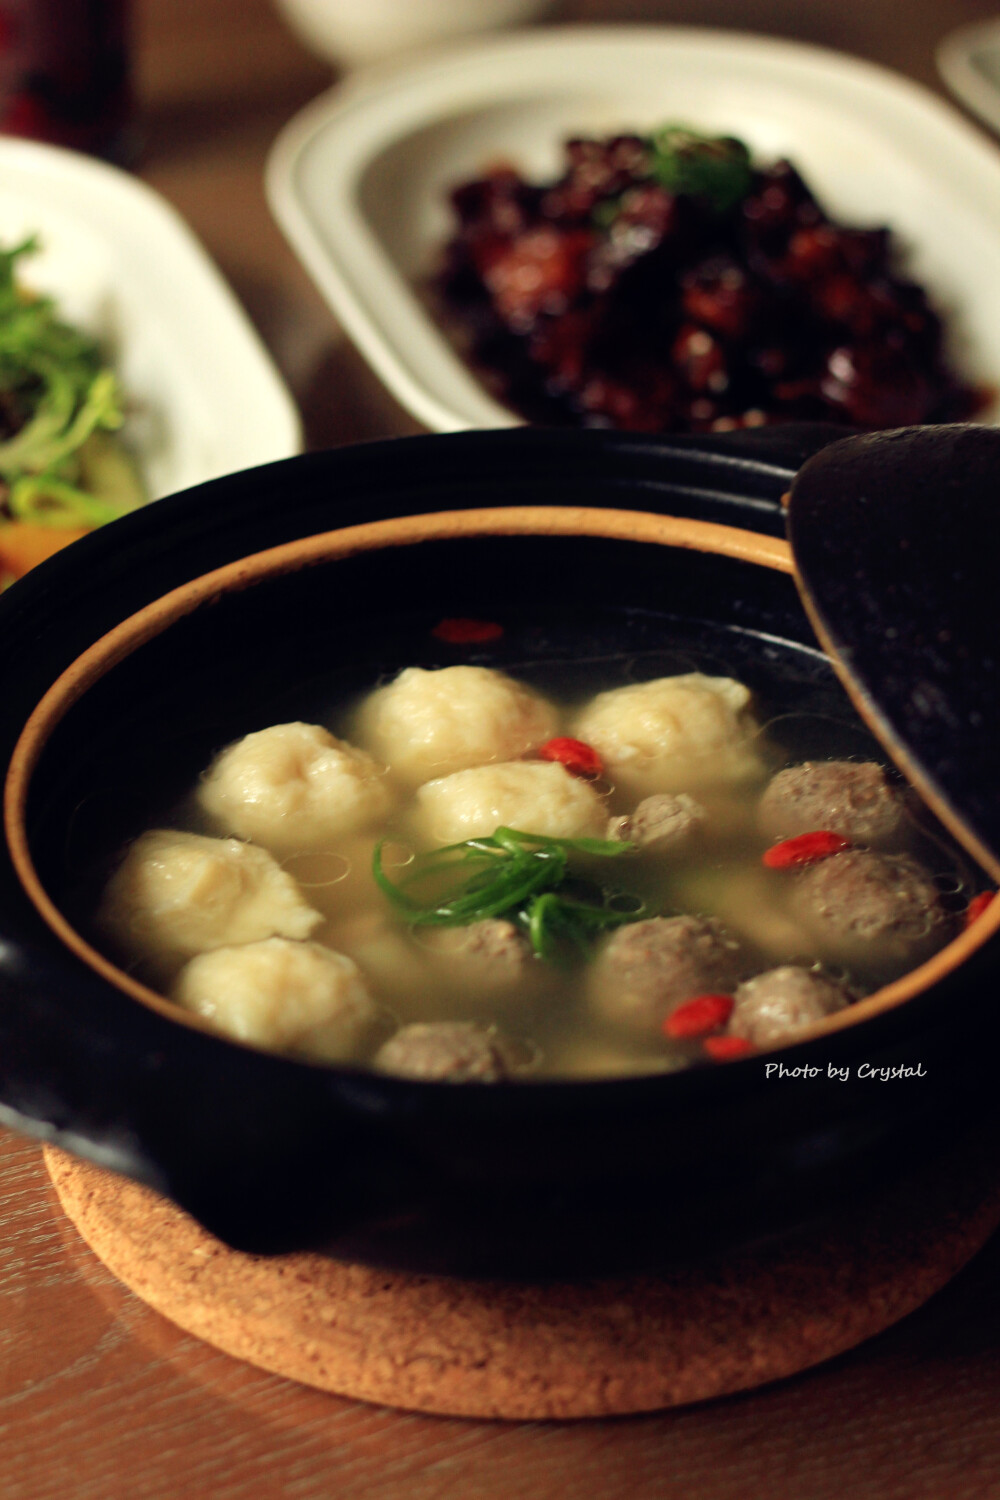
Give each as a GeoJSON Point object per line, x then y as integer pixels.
{"type": "Point", "coordinates": [896, 543]}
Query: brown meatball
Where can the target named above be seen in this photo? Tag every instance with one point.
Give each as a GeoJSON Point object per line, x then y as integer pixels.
{"type": "Point", "coordinates": [645, 970]}
{"type": "Point", "coordinates": [660, 822]}
{"type": "Point", "coordinates": [774, 1005]}
{"type": "Point", "coordinates": [852, 798]}
{"type": "Point", "coordinates": [881, 906]}
{"type": "Point", "coordinates": [488, 958]}
{"type": "Point", "coordinates": [445, 1051]}
{"type": "Point", "coordinates": [499, 951]}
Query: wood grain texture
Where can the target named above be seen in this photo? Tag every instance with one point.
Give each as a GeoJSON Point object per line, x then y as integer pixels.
{"type": "Point", "coordinates": [102, 1399]}
{"type": "Point", "coordinates": [495, 1349]}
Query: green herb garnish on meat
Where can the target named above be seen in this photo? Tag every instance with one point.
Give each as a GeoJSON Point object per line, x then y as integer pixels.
{"type": "Point", "coordinates": [59, 401]}
{"type": "Point", "coordinates": [523, 877]}
{"type": "Point", "coordinates": [713, 167]}
{"type": "Point", "coordinates": [606, 212]}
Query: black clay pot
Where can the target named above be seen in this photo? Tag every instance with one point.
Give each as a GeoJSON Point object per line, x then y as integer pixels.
{"type": "Point", "coordinates": [516, 1179]}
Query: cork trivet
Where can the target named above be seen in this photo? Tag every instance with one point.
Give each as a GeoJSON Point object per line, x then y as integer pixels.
{"type": "Point", "coordinates": [495, 1349]}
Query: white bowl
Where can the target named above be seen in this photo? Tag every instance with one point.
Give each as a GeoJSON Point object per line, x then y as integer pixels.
{"type": "Point", "coordinates": [346, 31]}
{"type": "Point", "coordinates": [359, 180]}
{"type": "Point", "coordinates": [203, 396]}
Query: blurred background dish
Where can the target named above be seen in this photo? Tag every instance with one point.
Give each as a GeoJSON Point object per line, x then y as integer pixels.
{"type": "Point", "coordinates": [969, 62]}
{"type": "Point", "coordinates": [672, 281]}
{"type": "Point", "coordinates": [349, 32]}
{"type": "Point", "coordinates": [202, 397]}
{"type": "Point", "coordinates": [65, 74]}
{"type": "Point", "coordinates": [360, 180]}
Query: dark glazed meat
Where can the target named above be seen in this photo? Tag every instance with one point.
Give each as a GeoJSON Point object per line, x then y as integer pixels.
{"type": "Point", "coordinates": [773, 1006]}
{"type": "Point", "coordinates": [446, 1052]}
{"type": "Point", "coordinates": [884, 906]}
{"type": "Point", "coordinates": [852, 798]}
{"type": "Point", "coordinates": [644, 971]}
{"type": "Point", "coordinates": [664, 283]}
{"type": "Point", "coordinates": [660, 822]}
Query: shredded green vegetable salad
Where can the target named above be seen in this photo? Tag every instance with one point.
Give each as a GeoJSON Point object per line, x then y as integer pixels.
{"type": "Point", "coordinates": [523, 877]}
{"type": "Point", "coordinates": [60, 404]}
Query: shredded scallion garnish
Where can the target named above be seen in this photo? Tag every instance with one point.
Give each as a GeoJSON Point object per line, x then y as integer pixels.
{"type": "Point", "coordinates": [716, 168]}
{"type": "Point", "coordinates": [523, 877]}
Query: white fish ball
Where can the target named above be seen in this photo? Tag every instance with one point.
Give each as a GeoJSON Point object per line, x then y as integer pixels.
{"type": "Point", "coordinates": [294, 786]}
{"type": "Point", "coordinates": [176, 894]}
{"type": "Point", "coordinates": [533, 796]}
{"type": "Point", "coordinates": [673, 733]}
{"type": "Point", "coordinates": [430, 723]}
{"type": "Point", "coordinates": [280, 995]}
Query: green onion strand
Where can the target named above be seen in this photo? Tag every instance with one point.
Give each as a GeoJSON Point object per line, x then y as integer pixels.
{"type": "Point", "coordinates": [514, 874]}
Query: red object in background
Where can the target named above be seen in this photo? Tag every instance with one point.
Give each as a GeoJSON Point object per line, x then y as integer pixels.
{"type": "Point", "coordinates": [64, 74]}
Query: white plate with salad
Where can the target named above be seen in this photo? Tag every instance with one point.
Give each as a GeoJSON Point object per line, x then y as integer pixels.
{"type": "Point", "coordinates": [128, 370]}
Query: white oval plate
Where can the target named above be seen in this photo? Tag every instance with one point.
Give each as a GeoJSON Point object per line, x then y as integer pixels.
{"type": "Point", "coordinates": [359, 180]}
{"type": "Point", "coordinates": [203, 397]}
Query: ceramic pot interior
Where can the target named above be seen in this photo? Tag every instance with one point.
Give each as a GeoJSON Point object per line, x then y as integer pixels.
{"type": "Point", "coordinates": [283, 635]}
{"type": "Point", "coordinates": [287, 647]}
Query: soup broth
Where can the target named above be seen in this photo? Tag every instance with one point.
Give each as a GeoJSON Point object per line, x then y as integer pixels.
{"type": "Point", "coordinates": [562, 1016]}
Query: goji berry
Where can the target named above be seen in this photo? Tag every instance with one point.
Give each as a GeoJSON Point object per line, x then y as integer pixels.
{"type": "Point", "coordinates": [805, 849]}
{"type": "Point", "coordinates": [580, 759]}
{"type": "Point", "coordinates": [977, 906]}
{"type": "Point", "coordinates": [699, 1016]}
{"type": "Point", "coordinates": [722, 1048]}
{"type": "Point", "coordinates": [467, 632]}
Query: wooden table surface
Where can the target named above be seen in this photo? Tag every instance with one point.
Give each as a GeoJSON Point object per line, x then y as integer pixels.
{"type": "Point", "coordinates": [100, 1398]}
